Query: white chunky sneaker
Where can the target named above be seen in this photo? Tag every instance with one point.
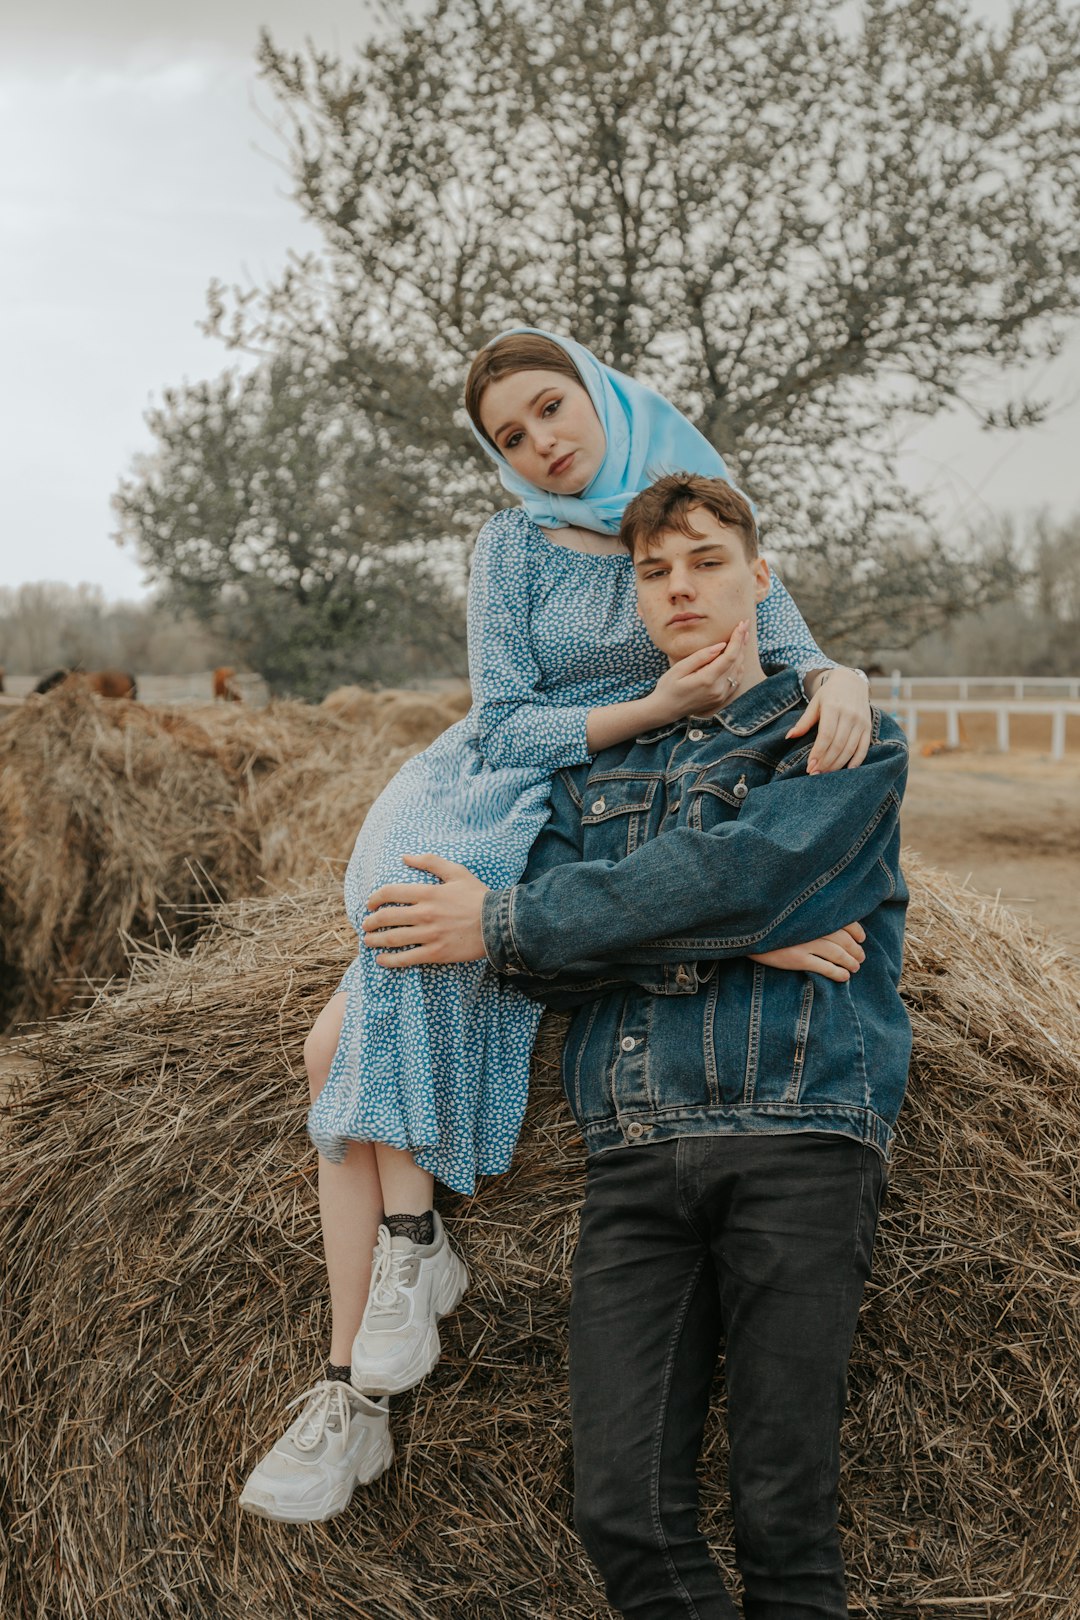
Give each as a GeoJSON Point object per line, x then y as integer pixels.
{"type": "Point", "coordinates": [341, 1439]}
{"type": "Point", "coordinates": [411, 1286]}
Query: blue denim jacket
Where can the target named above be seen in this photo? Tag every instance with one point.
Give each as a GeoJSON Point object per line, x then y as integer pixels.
{"type": "Point", "coordinates": [665, 862]}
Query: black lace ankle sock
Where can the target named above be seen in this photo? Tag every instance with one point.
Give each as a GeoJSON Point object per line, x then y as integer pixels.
{"type": "Point", "coordinates": [419, 1229]}
{"type": "Point", "coordinates": [342, 1375]}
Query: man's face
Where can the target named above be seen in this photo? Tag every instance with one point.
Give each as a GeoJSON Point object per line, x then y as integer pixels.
{"type": "Point", "coordinates": [691, 592]}
{"type": "Point", "coordinates": [546, 427]}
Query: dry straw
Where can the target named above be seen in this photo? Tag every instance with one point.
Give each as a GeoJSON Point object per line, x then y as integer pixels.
{"type": "Point", "coordinates": [115, 821]}
{"type": "Point", "coordinates": [164, 1297]}
{"type": "Point", "coordinates": [118, 821]}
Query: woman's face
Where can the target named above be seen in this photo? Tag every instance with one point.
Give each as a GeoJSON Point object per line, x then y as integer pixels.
{"type": "Point", "coordinates": [546, 427]}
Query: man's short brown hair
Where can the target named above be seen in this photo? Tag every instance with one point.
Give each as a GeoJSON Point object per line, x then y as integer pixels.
{"type": "Point", "coordinates": [667, 505]}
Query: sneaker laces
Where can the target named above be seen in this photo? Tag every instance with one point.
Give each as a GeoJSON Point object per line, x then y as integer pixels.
{"type": "Point", "coordinates": [328, 1399]}
{"type": "Point", "coordinates": [387, 1279]}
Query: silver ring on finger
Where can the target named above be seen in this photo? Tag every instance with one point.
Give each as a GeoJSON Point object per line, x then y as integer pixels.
{"type": "Point", "coordinates": [732, 683]}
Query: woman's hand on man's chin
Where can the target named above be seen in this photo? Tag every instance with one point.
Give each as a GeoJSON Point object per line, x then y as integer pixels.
{"type": "Point", "coordinates": [420, 923]}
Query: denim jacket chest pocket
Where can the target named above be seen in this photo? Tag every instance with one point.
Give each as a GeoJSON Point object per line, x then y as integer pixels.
{"type": "Point", "coordinates": [719, 791]}
{"type": "Point", "coordinates": [617, 809]}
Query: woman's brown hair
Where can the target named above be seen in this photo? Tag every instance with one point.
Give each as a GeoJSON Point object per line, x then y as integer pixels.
{"type": "Point", "coordinates": [519, 351]}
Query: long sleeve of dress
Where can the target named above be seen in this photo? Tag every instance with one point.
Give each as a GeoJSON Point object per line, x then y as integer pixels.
{"type": "Point", "coordinates": [783, 636]}
{"type": "Point", "coordinates": [518, 724]}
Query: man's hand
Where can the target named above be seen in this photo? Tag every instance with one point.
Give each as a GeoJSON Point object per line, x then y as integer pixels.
{"type": "Point", "coordinates": [422, 922]}
{"type": "Point", "coordinates": [835, 956]}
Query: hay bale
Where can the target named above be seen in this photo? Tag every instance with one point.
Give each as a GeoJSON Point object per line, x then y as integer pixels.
{"type": "Point", "coordinates": [359, 705]}
{"type": "Point", "coordinates": [118, 823]}
{"type": "Point", "coordinates": [310, 808]}
{"type": "Point", "coordinates": [355, 705]}
{"type": "Point", "coordinates": [164, 1297]}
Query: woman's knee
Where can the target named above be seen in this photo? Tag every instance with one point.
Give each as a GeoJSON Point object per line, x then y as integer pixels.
{"type": "Point", "coordinates": [322, 1042]}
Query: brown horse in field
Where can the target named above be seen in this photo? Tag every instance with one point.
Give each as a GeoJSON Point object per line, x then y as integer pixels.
{"type": "Point", "coordinates": [225, 686]}
{"type": "Point", "coordinates": [109, 683]}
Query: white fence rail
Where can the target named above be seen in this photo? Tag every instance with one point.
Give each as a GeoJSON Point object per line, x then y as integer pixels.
{"type": "Point", "coordinates": [908, 714]}
{"type": "Point", "coordinates": [963, 687]}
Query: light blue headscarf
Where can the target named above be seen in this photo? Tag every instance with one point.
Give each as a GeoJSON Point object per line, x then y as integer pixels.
{"type": "Point", "coordinates": [646, 438]}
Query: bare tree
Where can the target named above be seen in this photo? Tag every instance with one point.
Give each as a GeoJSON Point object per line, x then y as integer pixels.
{"type": "Point", "coordinates": [1036, 629]}
{"type": "Point", "coordinates": [282, 518]}
{"type": "Point", "coordinates": [47, 625]}
{"type": "Point", "coordinates": [806, 228]}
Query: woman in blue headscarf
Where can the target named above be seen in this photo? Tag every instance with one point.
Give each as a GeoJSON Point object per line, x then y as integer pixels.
{"type": "Point", "coordinates": [422, 1073]}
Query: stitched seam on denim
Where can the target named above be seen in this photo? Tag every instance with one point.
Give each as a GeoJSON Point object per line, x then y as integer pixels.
{"type": "Point", "coordinates": [753, 1044]}
{"type": "Point", "coordinates": [867, 1129]}
{"type": "Point", "coordinates": [675, 942]}
{"type": "Point", "coordinates": [854, 1006]}
{"type": "Point", "coordinates": [596, 818]}
{"type": "Point", "coordinates": [623, 774]}
{"type": "Point", "coordinates": [891, 876]}
{"type": "Point", "coordinates": [582, 1045]}
{"type": "Point", "coordinates": [661, 731]}
{"type": "Point", "coordinates": [793, 761]}
{"type": "Point", "coordinates": [514, 953]}
{"type": "Point", "coordinates": [802, 1032]}
{"type": "Point", "coordinates": [751, 753]}
{"type": "Point", "coordinates": [712, 1079]}
{"type": "Point", "coordinates": [571, 788]}
{"type": "Point", "coordinates": [654, 1482]}
{"type": "Point", "coordinates": [716, 791]}
{"type": "Point", "coordinates": [646, 1054]}
{"type": "Point", "coordinates": [738, 730]}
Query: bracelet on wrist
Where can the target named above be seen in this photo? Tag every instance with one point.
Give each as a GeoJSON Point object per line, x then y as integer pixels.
{"type": "Point", "coordinates": [861, 673]}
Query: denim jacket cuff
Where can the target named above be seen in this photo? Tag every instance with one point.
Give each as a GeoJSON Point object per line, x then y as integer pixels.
{"type": "Point", "coordinates": [498, 926]}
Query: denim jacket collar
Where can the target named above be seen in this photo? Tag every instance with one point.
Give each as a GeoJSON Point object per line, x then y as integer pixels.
{"type": "Point", "coordinates": [779, 691]}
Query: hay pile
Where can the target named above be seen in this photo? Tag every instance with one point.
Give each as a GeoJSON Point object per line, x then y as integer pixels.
{"type": "Point", "coordinates": [398, 713]}
{"type": "Point", "coordinates": [119, 822]}
{"type": "Point", "coordinates": [310, 810]}
{"type": "Point", "coordinates": [115, 822]}
{"type": "Point", "coordinates": [164, 1297]}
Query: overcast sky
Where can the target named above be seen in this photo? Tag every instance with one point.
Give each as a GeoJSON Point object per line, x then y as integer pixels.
{"type": "Point", "coordinates": [136, 166]}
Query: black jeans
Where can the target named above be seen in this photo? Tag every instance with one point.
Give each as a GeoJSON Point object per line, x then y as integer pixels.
{"type": "Point", "coordinates": [765, 1241]}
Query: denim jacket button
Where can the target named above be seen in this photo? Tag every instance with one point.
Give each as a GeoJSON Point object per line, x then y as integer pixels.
{"type": "Point", "coordinates": [695, 735]}
{"type": "Point", "coordinates": [635, 1130]}
{"type": "Point", "coordinates": [599, 806]}
{"type": "Point", "coordinates": [628, 1043]}
{"type": "Point", "coordinates": [682, 976]}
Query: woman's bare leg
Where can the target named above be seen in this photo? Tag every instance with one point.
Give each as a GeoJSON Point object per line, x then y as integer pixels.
{"type": "Point", "coordinates": [406, 1189]}
{"type": "Point", "coordinates": [350, 1199]}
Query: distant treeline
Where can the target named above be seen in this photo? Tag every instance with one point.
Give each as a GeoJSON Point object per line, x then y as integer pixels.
{"type": "Point", "coordinates": [46, 625]}
{"type": "Point", "coordinates": [1036, 631]}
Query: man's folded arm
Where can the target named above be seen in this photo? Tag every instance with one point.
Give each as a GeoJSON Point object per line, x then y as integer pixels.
{"type": "Point", "coordinates": [803, 858]}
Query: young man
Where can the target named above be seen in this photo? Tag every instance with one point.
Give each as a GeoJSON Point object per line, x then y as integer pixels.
{"type": "Point", "coordinates": [737, 1118]}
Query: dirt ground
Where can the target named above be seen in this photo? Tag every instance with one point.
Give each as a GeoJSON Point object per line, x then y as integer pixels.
{"type": "Point", "coordinates": [1008, 822]}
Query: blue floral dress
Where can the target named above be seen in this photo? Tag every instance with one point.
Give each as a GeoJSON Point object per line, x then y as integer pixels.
{"type": "Point", "coordinates": [436, 1059]}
